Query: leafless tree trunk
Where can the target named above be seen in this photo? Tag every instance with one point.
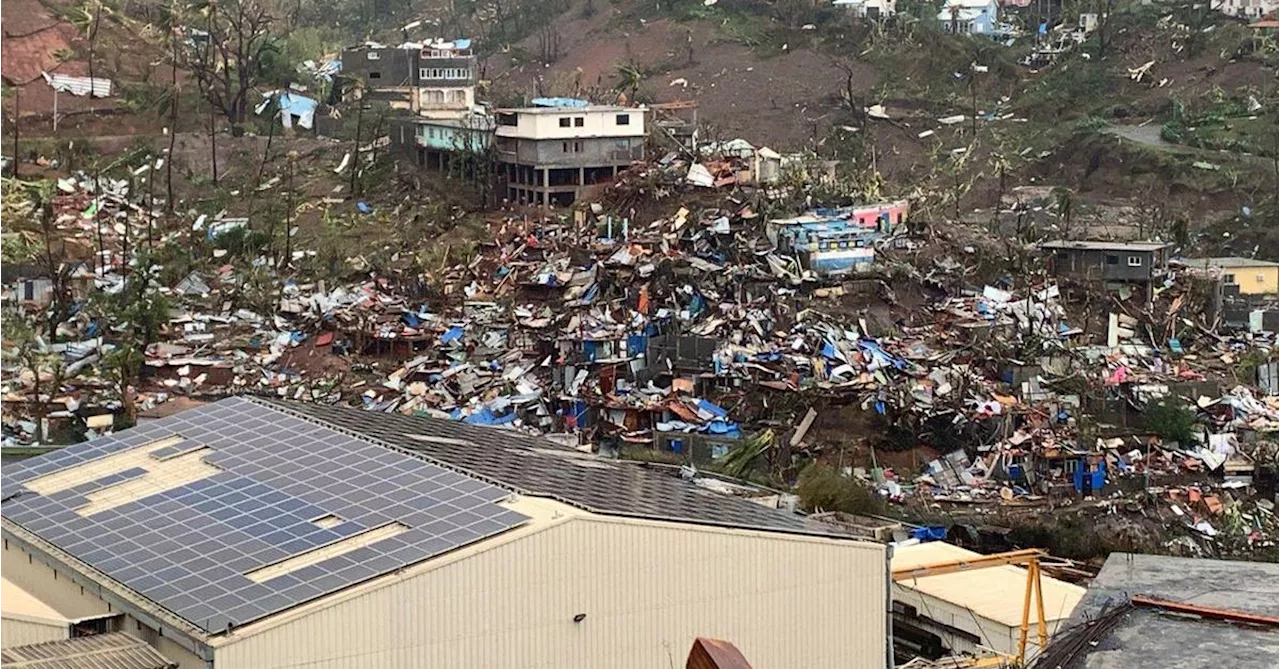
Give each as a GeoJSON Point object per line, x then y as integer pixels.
{"type": "Point", "coordinates": [230, 62]}
{"type": "Point", "coordinates": [173, 119]}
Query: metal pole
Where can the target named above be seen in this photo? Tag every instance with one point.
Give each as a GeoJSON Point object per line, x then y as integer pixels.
{"type": "Point", "coordinates": [55, 109]}
{"type": "Point", "coordinates": [888, 606]}
{"type": "Point", "coordinates": [17, 114]}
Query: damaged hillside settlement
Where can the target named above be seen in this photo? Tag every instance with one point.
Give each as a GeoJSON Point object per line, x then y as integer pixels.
{"type": "Point", "coordinates": [656, 396]}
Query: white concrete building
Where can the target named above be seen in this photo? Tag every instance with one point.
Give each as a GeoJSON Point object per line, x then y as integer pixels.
{"type": "Point", "coordinates": [548, 154]}
{"type": "Point", "coordinates": [254, 534]}
{"type": "Point", "coordinates": [869, 9]}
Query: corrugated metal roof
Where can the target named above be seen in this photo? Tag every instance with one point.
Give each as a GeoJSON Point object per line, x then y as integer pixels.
{"type": "Point", "coordinates": [104, 651]}
{"type": "Point", "coordinates": [994, 593]}
{"type": "Point", "coordinates": [79, 85]}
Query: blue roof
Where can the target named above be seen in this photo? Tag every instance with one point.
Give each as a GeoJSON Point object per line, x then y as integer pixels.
{"type": "Point", "coordinates": [560, 102]}
{"type": "Point", "coordinates": [190, 547]}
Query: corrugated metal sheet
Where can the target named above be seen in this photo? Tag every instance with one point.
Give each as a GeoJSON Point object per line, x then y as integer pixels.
{"type": "Point", "coordinates": [641, 591]}
{"type": "Point", "coordinates": [79, 85]}
{"type": "Point", "coordinates": [16, 632]}
{"type": "Point", "coordinates": [104, 651]}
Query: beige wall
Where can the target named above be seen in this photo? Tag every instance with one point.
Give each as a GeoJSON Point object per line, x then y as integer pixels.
{"type": "Point", "coordinates": [595, 123]}
{"type": "Point", "coordinates": [55, 590]}
{"type": "Point", "coordinates": [15, 632]}
{"type": "Point", "coordinates": [647, 590]}
{"type": "Point", "coordinates": [74, 602]}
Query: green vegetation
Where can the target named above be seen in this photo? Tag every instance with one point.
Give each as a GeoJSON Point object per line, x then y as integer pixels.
{"type": "Point", "coordinates": [821, 487]}
{"type": "Point", "coordinates": [1240, 123]}
{"type": "Point", "coordinates": [1170, 420]}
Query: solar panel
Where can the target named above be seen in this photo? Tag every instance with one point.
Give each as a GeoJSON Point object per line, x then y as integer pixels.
{"type": "Point", "coordinates": [189, 547]}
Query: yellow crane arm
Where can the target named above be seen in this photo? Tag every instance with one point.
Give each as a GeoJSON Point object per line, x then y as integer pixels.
{"type": "Point", "coordinates": [1029, 557]}
{"type": "Point", "coordinates": [1025, 556]}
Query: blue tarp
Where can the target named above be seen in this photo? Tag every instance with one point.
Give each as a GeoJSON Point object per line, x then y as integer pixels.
{"type": "Point", "coordinates": [451, 335]}
{"type": "Point", "coordinates": [637, 344]}
{"type": "Point", "coordinates": [879, 354]}
{"type": "Point", "coordinates": [560, 102]}
{"type": "Point", "coordinates": [486, 417]}
{"type": "Point", "coordinates": [712, 409]}
{"type": "Point", "coordinates": [298, 105]}
{"type": "Point", "coordinates": [929, 533]}
{"type": "Point", "coordinates": [590, 349]}
{"type": "Point", "coordinates": [724, 428]}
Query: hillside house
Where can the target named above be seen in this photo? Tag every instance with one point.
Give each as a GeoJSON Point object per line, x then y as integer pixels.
{"type": "Point", "coordinates": [548, 154]}
{"type": "Point", "coordinates": [1250, 9]}
{"type": "Point", "coordinates": [970, 17]}
{"type": "Point", "coordinates": [868, 9]}
{"type": "Point", "coordinates": [433, 79]}
{"type": "Point", "coordinates": [1253, 277]}
{"type": "Point", "coordinates": [1122, 262]}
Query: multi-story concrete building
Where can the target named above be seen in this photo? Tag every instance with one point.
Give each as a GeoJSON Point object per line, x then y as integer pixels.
{"type": "Point", "coordinates": [549, 153]}
{"type": "Point", "coordinates": [432, 79]}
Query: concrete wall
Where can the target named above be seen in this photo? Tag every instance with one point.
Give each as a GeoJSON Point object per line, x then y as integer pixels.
{"type": "Point", "coordinates": [392, 67]}
{"type": "Point", "coordinates": [594, 123]}
{"type": "Point", "coordinates": [446, 97]}
{"type": "Point", "coordinates": [56, 590]}
{"type": "Point", "coordinates": [1260, 280]}
{"type": "Point", "coordinates": [1094, 264]}
{"type": "Point", "coordinates": [403, 67]}
{"type": "Point", "coordinates": [446, 138]}
{"type": "Point", "coordinates": [589, 152]}
{"type": "Point", "coordinates": [646, 590]}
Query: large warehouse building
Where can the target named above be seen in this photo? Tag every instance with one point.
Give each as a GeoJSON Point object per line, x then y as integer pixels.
{"type": "Point", "coordinates": [259, 534]}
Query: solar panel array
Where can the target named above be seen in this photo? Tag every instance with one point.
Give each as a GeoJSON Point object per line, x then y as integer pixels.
{"type": "Point", "coordinates": [537, 466]}
{"type": "Point", "coordinates": [188, 549]}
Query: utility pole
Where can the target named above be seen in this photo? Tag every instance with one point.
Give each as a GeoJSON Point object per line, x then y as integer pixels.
{"type": "Point", "coordinates": [355, 153]}
{"type": "Point", "coordinates": [288, 214]}
{"type": "Point", "coordinates": [17, 90]}
{"type": "Point", "coordinates": [213, 145]}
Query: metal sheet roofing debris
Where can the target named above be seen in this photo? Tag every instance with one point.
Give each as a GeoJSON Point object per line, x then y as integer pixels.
{"type": "Point", "coordinates": [188, 539]}
{"type": "Point", "coordinates": [79, 85]}
{"type": "Point", "coordinates": [115, 650]}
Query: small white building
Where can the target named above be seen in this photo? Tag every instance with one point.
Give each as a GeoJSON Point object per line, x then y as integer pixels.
{"type": "Point", "coordinates": [970, 610]}
{"type": "Point", "coordinates": [253, 534]}
{"type": "Point", "coordinates": [970, 17]}
{"type": "Point", "coordinates": [869, 9]}
{"type": "Point", "coordinates": [1251, 9]}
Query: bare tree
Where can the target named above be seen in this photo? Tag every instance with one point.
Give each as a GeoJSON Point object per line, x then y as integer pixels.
{"type": "Point", "coordinates": [1103, 30]}
{"type": "Point", "coordinates": [229, 63]}
{"type": "Point", "coordinates": [857, 110]}
{"type": "Point", "coordinates": [549, 43]}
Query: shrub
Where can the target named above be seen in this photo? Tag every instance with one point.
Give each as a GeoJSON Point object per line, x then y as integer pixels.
{"type": "Point", "coordinates": [821, 487]}
{"type": "Point", "coordinates": [1169, 420]}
